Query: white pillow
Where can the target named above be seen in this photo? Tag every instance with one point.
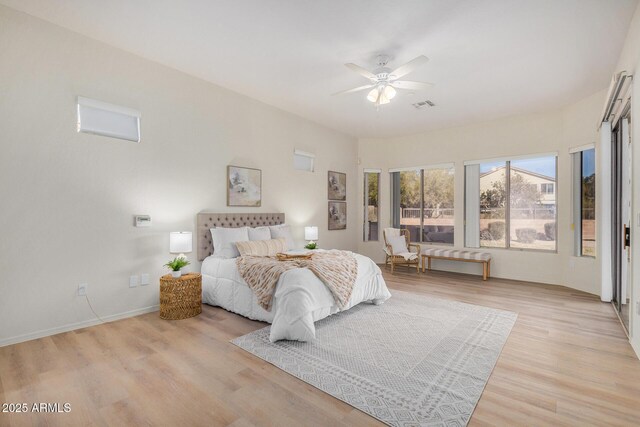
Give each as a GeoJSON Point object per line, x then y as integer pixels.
{"type": "Point", "coordinates": [261, 248]}
{"type": "Point", "coordinates": [259, 233]}
{"type": "Point", "coordinates": [224, 241]}
{"type": "Point", "coordinates": [282, 232]}
{"type": "Point", "coordinates": [398, 244]}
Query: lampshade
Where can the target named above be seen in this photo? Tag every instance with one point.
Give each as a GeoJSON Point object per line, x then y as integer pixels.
{"type": "Point", "coordinates": [383, 95]}
{"type": "Point", "coordinates": [311, 233]}
{"type": "Point", "coordinates": [180, 242]}
{"type": "Point", "coordinates": [389, 92]}
{"type": "Point", "coordinates": [373, 95]}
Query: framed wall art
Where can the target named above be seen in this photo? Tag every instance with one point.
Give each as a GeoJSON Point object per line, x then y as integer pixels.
{"type": "Point", "coordinates": [244, 186]}
{"type": "Point", "coordinates": [337, 185]}
{"type": "Point", "coordinates": [337, 215]}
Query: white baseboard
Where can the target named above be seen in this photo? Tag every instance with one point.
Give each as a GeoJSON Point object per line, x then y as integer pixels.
{"type": "Point", "coordinates": [74, 326]}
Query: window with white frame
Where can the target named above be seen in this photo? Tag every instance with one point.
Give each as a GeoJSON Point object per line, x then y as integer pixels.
{"type": "Point", "coordinates": [546, 188]}
{"type": "Point", "coordinates": [371, 204]}
{"type": "Point", "coordinates": [422, 202]}
{"type": "Point", "coordinates": [303, 161]}
{"type": "Point", "coordinates": [511, 203]}
{"type": "Point", "coordinates": [584, 201]}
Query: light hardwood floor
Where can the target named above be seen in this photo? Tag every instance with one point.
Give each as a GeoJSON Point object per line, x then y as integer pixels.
{"type": "Point", "coordinates": [566, 362]}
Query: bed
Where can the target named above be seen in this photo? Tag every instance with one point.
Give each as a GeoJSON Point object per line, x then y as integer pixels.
{"type": "Point", "coordinates": [300, 298]}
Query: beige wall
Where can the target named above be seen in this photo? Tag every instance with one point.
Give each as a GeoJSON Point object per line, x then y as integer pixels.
{"type": "Point", "coordinates": [521, 135]}
{"type": "Point", "coordinates": [68, 199]}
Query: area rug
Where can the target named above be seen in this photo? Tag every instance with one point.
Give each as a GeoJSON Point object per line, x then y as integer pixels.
{"type": "Point", "coordinates": [413, 361]}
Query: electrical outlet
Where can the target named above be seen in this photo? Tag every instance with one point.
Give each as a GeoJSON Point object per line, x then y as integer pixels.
{"type": "Point", "coordinates": [144, 279]}
{"type": "Point", "coordinates": [134, 281]}
{"type": "Point", "coordinates": [82, 289]}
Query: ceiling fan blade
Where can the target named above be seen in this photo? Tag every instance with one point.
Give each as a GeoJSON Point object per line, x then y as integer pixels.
{"type": "Point", "coordinates": [405, 69]}
{"type": "Point", "coordinates": [405, 84]}
{"type": "Point", "coordinates": [355, 89]}
{"type": "Point", "coordinates": [363, 72]}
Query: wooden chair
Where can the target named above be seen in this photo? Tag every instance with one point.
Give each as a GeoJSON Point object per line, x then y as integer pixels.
{"type": "Point", "coordinates": [397, 259]}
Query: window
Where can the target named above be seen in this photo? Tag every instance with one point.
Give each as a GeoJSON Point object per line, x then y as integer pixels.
{"type": "Point", "coordinates": [371, 203]}
{"type": "Point", "coordinates": [422, 201]}
{"type": "Point", "coordinates": [303, 161]}
{"type": "Point", "coordinates": [584, 202]}
{"type": "Point", "coordinates": [438, 205]}
{"type": "Point", "coordinates": [517, 203]}
{"type": "Point", "coordinates": [101, 118]}
{"type": "Point", "coordinates": [493, 204]}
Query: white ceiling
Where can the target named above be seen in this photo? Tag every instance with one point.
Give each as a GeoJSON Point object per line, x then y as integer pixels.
{"type": "Point", "coordinates": [488, 58]}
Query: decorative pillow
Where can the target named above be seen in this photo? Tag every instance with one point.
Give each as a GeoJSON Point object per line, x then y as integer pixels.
{"type": "Point", "coordinates": [398, 244]}
{"type": "Point", "coordinates": [283, 231]}
{"type": "Point", "coordinates": [224, 241]}
{"type": "Point", "coordinates": [262, 247]}
{"type": "Point", "coordinates": [259, 233]}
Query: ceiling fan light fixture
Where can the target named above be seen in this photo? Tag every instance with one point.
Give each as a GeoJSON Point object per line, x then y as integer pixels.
{"type": "Point", "coordinates": [383, 98]}
{"type": "Point", "coordinates": [389, 92]}
{"type": "Point", "coordinates": [384, 81]}
{"type": "Point", "coordinates": [373, 95]}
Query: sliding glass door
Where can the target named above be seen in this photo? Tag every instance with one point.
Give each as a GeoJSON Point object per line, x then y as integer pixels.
{"type": "Point", "coordinates": [621, 217]}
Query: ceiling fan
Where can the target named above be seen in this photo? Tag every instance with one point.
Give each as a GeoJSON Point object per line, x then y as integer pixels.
{"type": "Point", "coordinates": [384, 81]}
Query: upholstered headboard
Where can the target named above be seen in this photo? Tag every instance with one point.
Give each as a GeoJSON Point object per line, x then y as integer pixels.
{"type": "Point", "coordinates": [207, 221]}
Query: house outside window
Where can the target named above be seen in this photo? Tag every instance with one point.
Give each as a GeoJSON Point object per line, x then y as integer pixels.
{"type": "Point", "coordinates": [517, 203]}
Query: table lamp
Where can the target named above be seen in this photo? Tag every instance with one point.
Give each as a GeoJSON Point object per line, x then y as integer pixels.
{"type": "Point", "coordinates": [180, 242]}
{"type": "Point", "coordinates": [311, 234]}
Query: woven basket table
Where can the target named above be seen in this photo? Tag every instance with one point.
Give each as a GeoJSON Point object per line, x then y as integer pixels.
{"type": "Point", "coordinates": [180, 298]}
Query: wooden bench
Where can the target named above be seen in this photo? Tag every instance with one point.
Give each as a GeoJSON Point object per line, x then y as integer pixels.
{"type": "Point", "coordinates": [458, 255]}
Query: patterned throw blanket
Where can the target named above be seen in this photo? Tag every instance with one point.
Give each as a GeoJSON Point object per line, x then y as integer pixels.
{"type": "Point", "coordinates": [336, 269]}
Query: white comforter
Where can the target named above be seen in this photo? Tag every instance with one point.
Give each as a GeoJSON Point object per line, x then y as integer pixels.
{"type": "Point", "coordinates": [300, 298]}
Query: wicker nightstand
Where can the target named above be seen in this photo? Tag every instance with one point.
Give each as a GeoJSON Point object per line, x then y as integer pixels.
{"type": "Point", "coordinates": [180, 298]}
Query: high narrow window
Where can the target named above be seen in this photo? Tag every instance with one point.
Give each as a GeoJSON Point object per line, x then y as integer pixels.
{"type": "Point", "coordinates": [422, 202]}
{"type": "Point", "coordinates": [584, 202]}
{"type": "Point", "coordinates": [517, 201]}
{"type": "Point", "coordinates": [371, 203]}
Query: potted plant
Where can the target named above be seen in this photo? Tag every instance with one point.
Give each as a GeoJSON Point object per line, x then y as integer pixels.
{"type": "Point", "coordinates": [176, 265]}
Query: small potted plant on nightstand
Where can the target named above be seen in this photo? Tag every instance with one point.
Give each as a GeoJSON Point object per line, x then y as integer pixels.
{"type": "Point", "coordinates": [176, 265]}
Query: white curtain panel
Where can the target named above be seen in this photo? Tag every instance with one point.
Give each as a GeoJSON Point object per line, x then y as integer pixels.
{"type": "Point", "coordinates": [472, 206]}
{"type": "Point", "coordinates": [603, 201]}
